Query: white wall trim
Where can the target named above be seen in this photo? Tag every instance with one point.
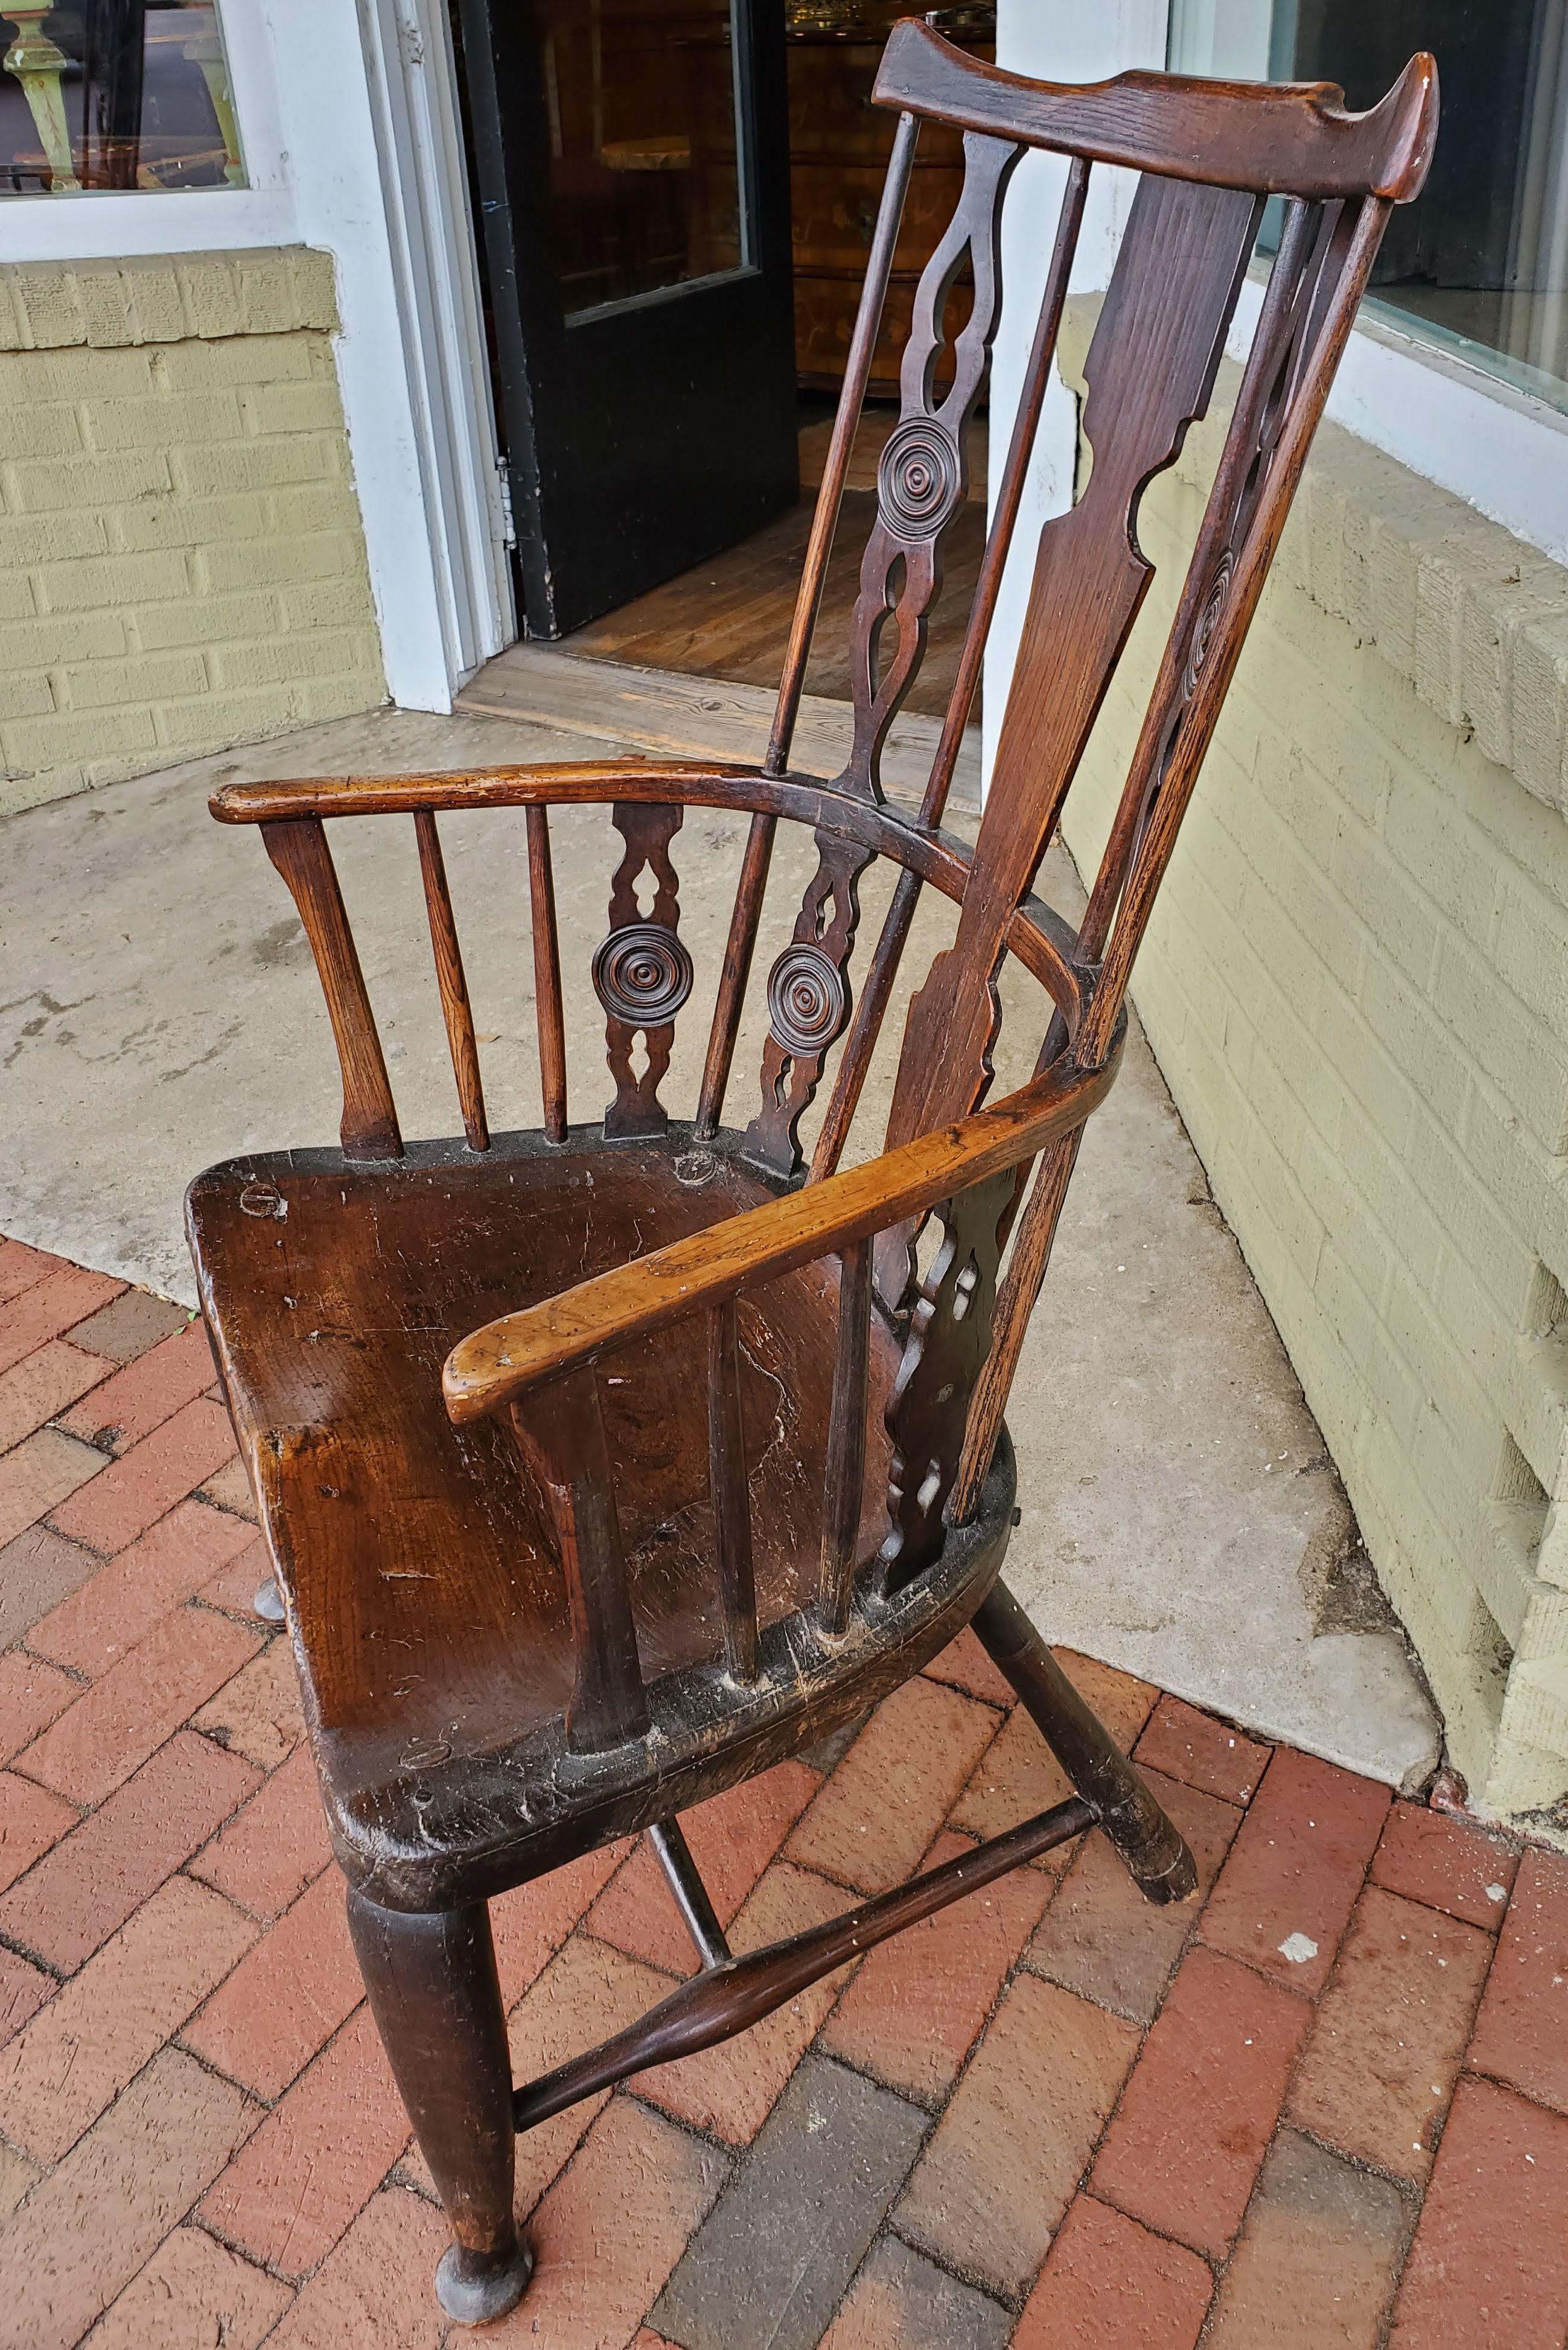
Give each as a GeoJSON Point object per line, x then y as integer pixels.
{"type": "Point", "coordinates": [349, 132]}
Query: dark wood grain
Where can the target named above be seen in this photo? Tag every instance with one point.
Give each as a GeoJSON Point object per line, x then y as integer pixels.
{"type": "Point", "coordinates": [549, 1584]}
{"type": "Point", "coordinates": [456, 1011]}
{"type": "Point", "coordinates": [548, 1015]}
{"type": "Point", "coordinates": [369, 1124]}
{"type": "Point", "coordinates": [1295, 141]}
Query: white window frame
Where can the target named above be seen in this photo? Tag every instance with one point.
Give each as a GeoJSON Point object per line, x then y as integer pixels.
{"type": "Point", "coordinates": [349, 133]}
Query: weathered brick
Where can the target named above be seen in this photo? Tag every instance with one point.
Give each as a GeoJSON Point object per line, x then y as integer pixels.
{"type": "Point", "coordinates": [143, 1483]}
{"type": "Point", "coordinates": [1201, 2107]}
{"type": "Point", "coordinates": [917, 2004]}
{"type": "Point", "coordinates": [1017, 1776]}
{"type": "Point", "coordinates": [31, 1694]}
{"type": "Point", "coordinates": [286, 1999]}
{"type": "Point", "coordinates": [1008, 2154]}
{"type": "Point", "coordinates": [1285, 1894]}
{"type": "Point", "coordinates": [377, 2286]}
{"type": "Point", "coordinates": [74, 1898]}
{"type": "Point", "coordinates": [257, 1713]}
{"type": "Point", "coordinates": [732, 1838]}
{"type": "Point", "coordinates": [1318, 2257]}
{"type": "Point", "coordinates": [530, 1923]}
{"type": "Point", "coordinates": [192, 2296]}
{"type": "Point", "coordinates": [1490, 2261]}
{"type": "Point", "coordinates": [41, 1385]}
{"type": "Point", "coordinates": [1447, 1863]}
{"type": "Point", "coordinates": [885, 1802]}
{"type": "Point", "coordinates": [128, 1328]}
{"type": "Point", "coordinates": [90, 2224]}
{"type": "Point", "coordinates": [1521, 2032]}
{"type": "Point", "coordinates": [96, 1627]}
{"type": "Point", "coordinates": [1108, 2284]}
{"type": "Point", "coordinates": [900, 2302]}
{"type": "Point", "coordinates": [41, 1472]}
{"type": "Point", "coordinates": [38, 1570]}
{"type": "Point", "coordinates": [141, 1701]}
{"type": "Point", "coordinates": [1390, 2034]}
{"type": "Point", "coordinates": [146, 1393]}
{"type": "Point", "coordinates": [274, 1846]}
{"type": "Point", "coordinates": [1202, 1751]}
{"type": "Point", "coordinates": [964, 1663]}
{"type": "Point", "coordinates": [775, 2258]}
{"type": "Point", "coordinates": [23, 1988]}
{"type": "Point", "coordinates": [297, 2184]}
{"type": "Point", "coordinates": [31, 1820]}
{"type": "Point", "coordinates": [59, 2073]}
{"type": "Point", "coordinates": [1102, 1938]}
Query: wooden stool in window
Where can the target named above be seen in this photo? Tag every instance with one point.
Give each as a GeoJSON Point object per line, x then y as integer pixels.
{"type": "Point", "coordinates": [559, 1562]}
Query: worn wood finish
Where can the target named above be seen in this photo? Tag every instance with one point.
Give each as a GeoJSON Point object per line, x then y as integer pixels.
{"type": "Point", "coordinates": [730, 1493]}
{"type": "Point", "coordinates": [642, 972]}
{"type": "Point", "coordinates": [456, 1011]}
{"type": "Point", "coordinates": [1293, 141]}
{"type": "Point", "coordinates": [922, 484]}
{"type": "Point", "coordinates": [369, 1124]}
{"type": "Point", "coordinates": [551, 1021]}
{"type": "Point", "coordinates": [436, 1998]}
{"type": "Point", "coordinates": [844, 1495]}
{"type": "Point", "coordinates": [549, 1584]}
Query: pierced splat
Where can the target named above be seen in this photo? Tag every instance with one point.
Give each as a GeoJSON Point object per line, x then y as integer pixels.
{"type": "Point", "coordinates": [922, 480]}
{"type": "Point", "coordinates": [642, 972]}
{"type": "Point", "coordinates": [949, 1336]}
{"type": "Point", "coordinates": [1150, 369]}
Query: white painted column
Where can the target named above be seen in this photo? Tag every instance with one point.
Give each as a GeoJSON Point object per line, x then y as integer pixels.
{"type": "Point", "coordinates": [1056, 40]}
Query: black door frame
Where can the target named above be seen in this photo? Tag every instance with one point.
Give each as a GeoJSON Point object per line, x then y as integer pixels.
{"type": "Point", "coordinates": [645, 436]}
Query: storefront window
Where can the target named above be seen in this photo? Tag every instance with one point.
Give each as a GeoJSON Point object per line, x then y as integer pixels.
{"type": "Point", "coordinates": [1479, 262]}
{"type": "Point", "coordinates": [644, 181]}
{"type": "Point", "coordinates": [114, 94]}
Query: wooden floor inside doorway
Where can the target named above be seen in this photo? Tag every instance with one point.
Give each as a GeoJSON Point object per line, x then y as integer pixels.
{"type": "Point", "coordinates": [729, 618]}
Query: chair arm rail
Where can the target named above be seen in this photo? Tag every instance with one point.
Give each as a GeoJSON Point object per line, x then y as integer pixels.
{"type": "Point", "coordinates": [501, 1361]}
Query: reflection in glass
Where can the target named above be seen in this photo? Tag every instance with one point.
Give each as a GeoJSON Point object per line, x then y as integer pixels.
{"type": "Point", "coordinates": [645, 184]}
{"type": "Point", "coordinates": [114, 94]}
{"type": "Point", "coordinates": [1480, 260]}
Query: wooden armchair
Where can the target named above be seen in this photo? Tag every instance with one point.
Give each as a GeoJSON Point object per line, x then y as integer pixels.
{"type": "Point", "coordinates": [561, 1561]}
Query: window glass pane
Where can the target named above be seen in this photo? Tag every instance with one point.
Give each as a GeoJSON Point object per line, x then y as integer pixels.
{"type": "Point", "coordinates": [1479, 262]}
{"type": "Point", "coordinates": [114, 94]}
{"type": "Point", "coordinates": [644, 181]}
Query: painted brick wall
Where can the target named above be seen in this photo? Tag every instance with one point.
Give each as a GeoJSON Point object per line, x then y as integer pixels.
{"type": "Point", "coordinates": [181, 561]}
{"type": "Point", "coordinates": [1356, 985]}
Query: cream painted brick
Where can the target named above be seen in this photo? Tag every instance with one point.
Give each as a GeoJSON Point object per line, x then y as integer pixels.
{"type": "Point", "coordinates": [340, 697]}
{"type": "Point", "coordinates": [109, 315]}
{"type": "Point", "coordinates": [324, 604]}
{"type": "Point", "coordinates": [215, 721]}
{"type": "Point", "coordinates": [32, 539]}
{"type": "Point", "coordinates": [283, 659]}
{"type": "Point", "coordinates": [58, 375]}
{"type": "Point", "coordinates": [1530, 951]}
{"type": "Point", "coordinates": [293, 407]}
{"type": "Point", "coordinates": [153, 678]}
{"type": "Point", "coordinates": [240, 364]}
{"type": "Point", "coordinates": [316, 505]}
{"type": "Point", "coordinates": [112, 580]}
{"type": "Point", "coordinates": [25, 697]}
{"type": "Point", "coordinates": [15, 595]}
{"type": "Point", "coordinates": [50, 305]}
{"type": "Point", "coordinates": [1541, 708]}
{"type": "Point", "coordinates": [75, 735]}
{"type": "Point", "coordinates": [78, 636]}
{"type": "Point", "coordinates": [38, 431]}
{"type": "Point", "coordinates": [326, 554]}
{"type": "Point", "coordinates": [210, 289]}
{"type": "Point", "coordinates": [235, 465]}
{"type": "Point", "coordinates": [1527, 1063]}
{"type": "Point", "coordinates": [39, 485]}
{"type": "Point", "coordinates": [173, 521]}
{"type": "Point", "coordinates": [209, 621]}
{"type": "Point", "coordinates": [162, 420]}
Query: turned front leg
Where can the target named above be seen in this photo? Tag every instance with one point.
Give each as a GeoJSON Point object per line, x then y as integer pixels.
{"type": "Point", "coordinates": [436, 1999]}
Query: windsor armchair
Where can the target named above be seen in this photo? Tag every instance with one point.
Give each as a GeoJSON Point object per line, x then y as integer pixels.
{"type": "Point", "coordinates": [558, 1562]}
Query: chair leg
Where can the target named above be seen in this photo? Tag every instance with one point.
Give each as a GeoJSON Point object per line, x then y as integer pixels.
{"type": "Point", "coordinates": [1155, 1854]}
{"type": "Point", "coordinates": [436, 2000]}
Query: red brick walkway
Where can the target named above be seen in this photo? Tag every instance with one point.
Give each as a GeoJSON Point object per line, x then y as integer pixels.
{"type": "Point", "coordinates": [1328, 2106]}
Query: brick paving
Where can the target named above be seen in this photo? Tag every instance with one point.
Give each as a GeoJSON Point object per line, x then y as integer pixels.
{"type": "Point", "coordinates": [1326, 2104]}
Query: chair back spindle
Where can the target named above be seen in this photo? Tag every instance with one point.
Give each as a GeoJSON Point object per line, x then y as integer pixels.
{"type": "Point", "coordinates": [549, 1017]}
{"type": "Point", "coordinates": [449, 978]}
{"type": "Point", "coordinates": [844, 1491]}
{"type": "Point", "coordinates": [731, 1497]}
{"type": "Point", "coordinates": [297, 846]}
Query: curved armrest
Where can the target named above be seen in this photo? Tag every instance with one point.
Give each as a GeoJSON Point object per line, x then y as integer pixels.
{"type": "Point", "coordinates": [495, 1365]}
{"type": "Point", "coordinates": [327, 796]}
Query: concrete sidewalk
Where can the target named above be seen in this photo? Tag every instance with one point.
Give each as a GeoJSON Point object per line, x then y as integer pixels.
{"type": "Point", "coordinates": [159, 1010]}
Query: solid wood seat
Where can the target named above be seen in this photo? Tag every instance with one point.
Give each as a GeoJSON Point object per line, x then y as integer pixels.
{"type": "Point", "coordinates": [601, 1469]}
{"type": "Point", "coordinates": [430, 1611]}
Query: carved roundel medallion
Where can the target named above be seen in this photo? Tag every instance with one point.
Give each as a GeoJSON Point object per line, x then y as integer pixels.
{"type": "Point", "coordinates": [918, 481]}
{"type": "Point", "coordinates": [642, 975]}
{"type": "Point", "coordinates": [807, 1001]}
{"type": "Point", "coordinates": [1214, 604]}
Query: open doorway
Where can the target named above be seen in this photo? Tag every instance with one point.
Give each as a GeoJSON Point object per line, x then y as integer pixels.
{"type": "Point", "coordinates": [628, 218]}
